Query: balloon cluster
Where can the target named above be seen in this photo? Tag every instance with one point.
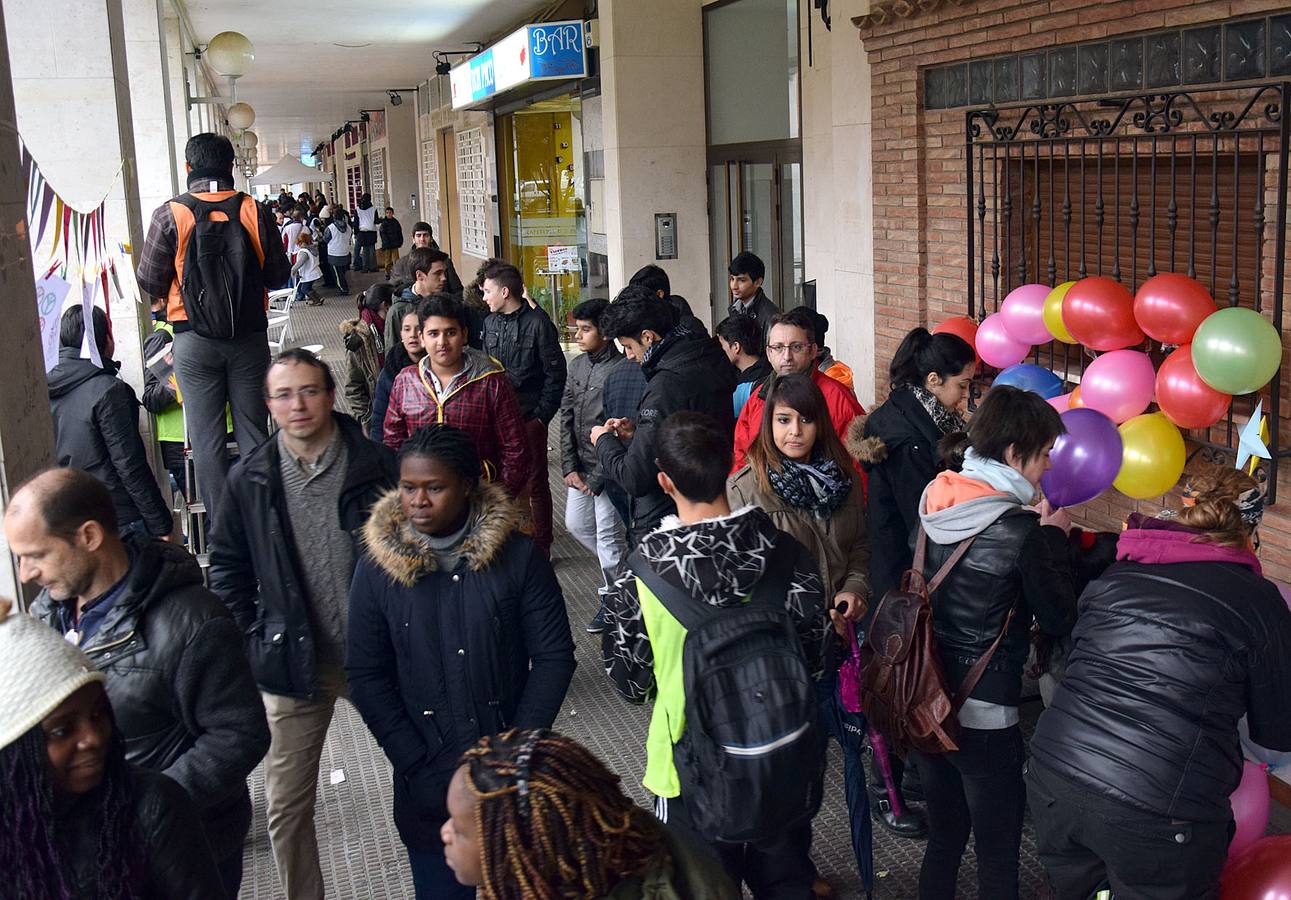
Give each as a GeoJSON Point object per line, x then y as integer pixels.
{"type": "Point", "coordinates": [1112, 439]}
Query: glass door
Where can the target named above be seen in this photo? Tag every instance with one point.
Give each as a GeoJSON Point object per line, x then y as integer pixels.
{"type": "Point", "coordinates": [755, 204]}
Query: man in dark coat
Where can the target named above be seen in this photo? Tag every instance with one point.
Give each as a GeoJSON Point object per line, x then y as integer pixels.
{"type": "Point", "coordinates": [96, 427]}
{"type": "Point", "coordinates": [181, 690]}
{"type": "Point", "coordinates": [282, 555]}
{"type": "Point", "coordinates": [684, 371]}
{"type": "Point", "coordinates": [747, 272]}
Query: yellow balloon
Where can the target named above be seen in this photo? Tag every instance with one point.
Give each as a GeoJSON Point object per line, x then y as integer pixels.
{"type": "Point", "coordinates": [1153, 456]}
{"type": "Point", "coordinates": [1053, 313]}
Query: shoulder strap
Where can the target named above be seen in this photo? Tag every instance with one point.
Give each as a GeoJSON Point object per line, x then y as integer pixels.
{"type": "Point", "coordinates": [691, 613]}
{"type": "Point", "coordinates": [202, 209]}
{"type": "Point", "coordinates": [979, 668]}
{"type": "Point", "coordinates": [916, 580]}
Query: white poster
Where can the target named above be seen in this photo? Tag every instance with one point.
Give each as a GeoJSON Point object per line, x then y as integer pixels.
{"type": "Point", "coordinates": [50, 292]}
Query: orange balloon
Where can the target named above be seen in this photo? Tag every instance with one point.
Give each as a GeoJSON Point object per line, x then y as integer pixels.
{"type": "Point", "coordinates": [1076, 402]}
{"type": "Point", "coordinates": [1099, 313]}
{"type": "Point", "coordinates": [960, 326]}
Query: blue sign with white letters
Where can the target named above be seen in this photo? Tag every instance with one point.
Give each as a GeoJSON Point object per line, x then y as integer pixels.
{"type": "Point", "coordinates": [482, 84]}
{"type": "Point", "coordinates": [556, 50]}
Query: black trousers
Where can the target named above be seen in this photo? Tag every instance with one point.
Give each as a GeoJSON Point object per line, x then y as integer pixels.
{"type": "Point", "coordinates": [978, 790]}
{"type": "Point", "coordinates": [778, 870]}
{"type": "Point", "coordinates": [1088, 842]}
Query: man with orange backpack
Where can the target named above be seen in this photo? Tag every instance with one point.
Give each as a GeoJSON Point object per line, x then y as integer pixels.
{"type": "Point", "coordinates": [213, 253]}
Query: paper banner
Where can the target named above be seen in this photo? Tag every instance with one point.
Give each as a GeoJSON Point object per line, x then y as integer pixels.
{"type": "Point", "coordinates": [50, 292]}
{"type": "Point", "coordinates": [89, 346]}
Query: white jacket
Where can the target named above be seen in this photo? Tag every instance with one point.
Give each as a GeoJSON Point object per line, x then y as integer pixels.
{"type": "Point", "coordinates": [306, 267]}
{"type": "Point", "coordinates": [366, 218]}
{"type": "Point", "coordinates": [338, 240]}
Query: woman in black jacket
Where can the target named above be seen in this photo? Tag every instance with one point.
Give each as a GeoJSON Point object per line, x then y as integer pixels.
{"type": "Point", "coordinates": [897, 446]}
{"type": "Point", "coordinates": [77, 821]}
{"type": "Point", "coordinates": [1133, 763]}
{"type": "Point", "coordinates": [1015, 572]}
{"type": "Point", "coordinates": [457, 630]}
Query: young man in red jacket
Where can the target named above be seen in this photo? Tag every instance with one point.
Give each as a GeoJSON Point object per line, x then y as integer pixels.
{"type": "Point", "coordinates": [791, 350]}
{"type": "Point", "coordinates": [460, 386]}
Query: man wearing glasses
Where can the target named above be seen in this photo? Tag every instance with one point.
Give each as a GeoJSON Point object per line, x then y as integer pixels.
{"type": "Point", "coordinates": [283, 552]}
{"type": "Point", "coordinates": [792, 350]}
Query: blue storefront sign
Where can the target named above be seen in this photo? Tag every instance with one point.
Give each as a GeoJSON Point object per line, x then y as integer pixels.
{"type": "Point", "coordinates": [541, 52]}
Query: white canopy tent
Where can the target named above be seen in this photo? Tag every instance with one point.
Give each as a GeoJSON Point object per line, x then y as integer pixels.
{"type": "Point", "coordinates": [290, 170]}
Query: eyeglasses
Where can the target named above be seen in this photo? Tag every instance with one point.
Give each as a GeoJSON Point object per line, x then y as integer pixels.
{"type": "Point", "coordinates": [306, 393]}
{"type": "Point", "coordinates": [795, 348]}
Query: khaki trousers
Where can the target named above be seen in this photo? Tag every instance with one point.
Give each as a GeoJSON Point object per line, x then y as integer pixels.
{"type": "Point", "coordinates": [297, 729]}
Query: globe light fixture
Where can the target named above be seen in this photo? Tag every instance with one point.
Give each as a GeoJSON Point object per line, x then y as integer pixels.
{"type": "Point", "coordinates": [230, 53]}
{"type": "Point", "coordinates": [241, 116]}
{"type": "Point", "coordinates": [249, 140]}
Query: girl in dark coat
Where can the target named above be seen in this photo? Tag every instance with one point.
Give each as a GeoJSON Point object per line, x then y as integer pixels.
{"type": "Point", "coordinates": [77, 822]}
{"type": "Point", "coordinates": [457, 630]}
{"type": "Point", "coordinates": [897, 446]}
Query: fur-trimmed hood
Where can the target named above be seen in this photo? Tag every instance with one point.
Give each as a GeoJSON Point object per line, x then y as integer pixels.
{"type": "Point", "coordinates": [354, 333]}
{"type": "Point", "coordinates": [868, 451]}
{"type": "Point", "coordinates": [494, 518]}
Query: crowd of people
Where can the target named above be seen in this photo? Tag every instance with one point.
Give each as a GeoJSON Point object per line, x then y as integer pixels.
{"type": "Point", "coordinates": [754, 526]}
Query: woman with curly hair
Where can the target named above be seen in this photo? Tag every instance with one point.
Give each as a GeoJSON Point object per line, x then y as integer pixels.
{"type": "Point", "coordinates": [536, 816]}
{"type": "Point", "coordinates": [76, 821]}
{"type": "Point", "coordinates": [1133, 763]}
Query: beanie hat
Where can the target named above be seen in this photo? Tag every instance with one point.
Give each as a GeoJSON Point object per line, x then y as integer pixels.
{"type": "Point", "coordinates": [39, 669]}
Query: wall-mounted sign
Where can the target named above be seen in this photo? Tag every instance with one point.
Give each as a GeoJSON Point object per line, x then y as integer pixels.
{"type": "Point", "coordinates": [543, 52]}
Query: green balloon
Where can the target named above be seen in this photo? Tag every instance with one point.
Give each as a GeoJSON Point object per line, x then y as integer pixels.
{"type": "Point", "coordinates": [1236, 350]}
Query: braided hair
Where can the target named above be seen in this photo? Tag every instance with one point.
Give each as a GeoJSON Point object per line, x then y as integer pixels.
{"type": "Point", "coordinates": [445, 444]}
{"type": "Point", "coordinates": [30, 858]}
{"type": "Point", "coordinates": [552, 820]}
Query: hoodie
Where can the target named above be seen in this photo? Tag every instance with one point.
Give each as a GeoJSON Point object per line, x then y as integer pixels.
{"type": "Point", "coordinates": [96, 428]}
{"type": "Point", "coordinates": [718, 561]}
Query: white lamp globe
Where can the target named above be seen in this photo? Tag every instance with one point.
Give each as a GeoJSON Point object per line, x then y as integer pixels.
{"type": "Point", "coordinates": [230, 53]}
{"type": "Point", "coordinates": [241, 116]}
{"type": "Point", "coordinates": [249, 140]}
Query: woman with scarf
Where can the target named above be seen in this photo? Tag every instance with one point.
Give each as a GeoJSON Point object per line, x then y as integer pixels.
{"type": "Point", "coordinates": [897, 446]}
{"type": "Point", "coordinates": [799, 473]}
{"type": "Point", "coordinates": [1133, 763]}
{"type": "Point", "coordinates": [1014, 573]}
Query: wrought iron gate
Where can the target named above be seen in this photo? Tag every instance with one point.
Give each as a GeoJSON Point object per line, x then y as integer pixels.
{"type": "Point", "coordinates": [1129, 186]}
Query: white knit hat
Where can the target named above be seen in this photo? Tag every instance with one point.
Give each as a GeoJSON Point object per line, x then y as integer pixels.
{"type": "Point", "coordinates": [39, 669]}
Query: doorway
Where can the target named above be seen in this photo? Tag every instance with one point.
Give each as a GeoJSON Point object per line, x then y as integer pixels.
{"type": "Point", "coordinates": [447, 150]}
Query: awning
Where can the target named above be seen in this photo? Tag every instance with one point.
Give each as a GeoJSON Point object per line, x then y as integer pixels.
{"type": "Point", "coordinates": [290, 170]}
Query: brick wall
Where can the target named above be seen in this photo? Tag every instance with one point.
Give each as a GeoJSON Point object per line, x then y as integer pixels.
{"type": "Point", "coordinates": [920, 255]}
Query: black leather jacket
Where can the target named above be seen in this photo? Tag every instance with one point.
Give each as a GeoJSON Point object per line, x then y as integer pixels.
{"type": "Point", "coordinates": [181, 689]}
{"type": "Point", "coordinates": [254, 566]}
{"type": "Point", "coordinates": [528, 345]}
{"type": "Point", "coordinates": [1167, 658]}
{"type": "Point", "coordinates": [1015, 562]}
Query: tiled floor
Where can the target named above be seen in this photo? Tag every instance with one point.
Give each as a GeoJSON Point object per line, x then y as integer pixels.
{"type": "Point", "coordinates": [361, 854]}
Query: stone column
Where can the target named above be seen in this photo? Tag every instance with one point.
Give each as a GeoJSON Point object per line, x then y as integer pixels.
{"type": "Point", "coordinates": [26, 429]}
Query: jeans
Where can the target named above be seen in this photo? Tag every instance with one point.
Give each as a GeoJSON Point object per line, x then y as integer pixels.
{"type": "Point", "coordinates": [596, 525]}
{"type": "Point", "coordinates": [1088, 842]}
{"type": "Point", "coordinates": [849, 729]}
{"type": "Point", "coordinates": [433, 879]}
{"type": "Point", "coordinates": [976, 789]}
{"type": "Point", "coordinates": [365, 257]}
{"type": "Point", "coordinates": [297, 730]}
{"type": "Point", "coordinates": [212, 374]}
{"type": "Point", "coordinates": [538, 490]}
{"type": "Point", "coordinates": [779, 870]}
{"type": "Point", "coordinates": [340, 268]}
{"type": "Point", "coordinates": [303, 288]}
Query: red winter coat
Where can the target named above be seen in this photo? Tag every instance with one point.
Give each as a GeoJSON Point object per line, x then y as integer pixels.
{"type": "Point", "coordinates": [842, 403]}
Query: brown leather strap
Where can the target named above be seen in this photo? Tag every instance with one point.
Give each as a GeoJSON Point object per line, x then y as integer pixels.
{"type": "Point", "coordinates": [979, 668]}
{"type": "Point", "coordinates": [921, 555]}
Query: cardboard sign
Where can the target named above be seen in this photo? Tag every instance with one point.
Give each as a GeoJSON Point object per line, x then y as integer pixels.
{"type": "Point", "coordinates": [50, 293]}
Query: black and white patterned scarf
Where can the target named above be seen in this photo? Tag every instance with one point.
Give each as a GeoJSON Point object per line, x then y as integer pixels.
{"type": "Point", "coordinates": [820, 487]}
{"type": "Point", "coordinates": [947, 421]}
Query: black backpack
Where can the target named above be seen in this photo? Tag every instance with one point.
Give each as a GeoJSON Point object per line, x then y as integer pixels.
{"type": "Point", "coordinates": [751, 759]}
{"type": "Point", "coordinates": [223, 283]}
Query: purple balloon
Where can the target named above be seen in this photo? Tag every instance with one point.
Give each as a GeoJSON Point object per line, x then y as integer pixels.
{"type": "Point", "coordinates": [1085, 460]}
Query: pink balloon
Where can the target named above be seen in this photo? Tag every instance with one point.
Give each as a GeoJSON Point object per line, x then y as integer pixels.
{"type": "Point", "coordinates": [1062, 402]}
{"type": "Point", "coordinates": [1023, 311]}
{"type": "Point", "coordinates": [1119, 384]}
{"type": "Point", "coordinates": [996, 346]}
{"type": "Point", "coordinates": [1250, 804]}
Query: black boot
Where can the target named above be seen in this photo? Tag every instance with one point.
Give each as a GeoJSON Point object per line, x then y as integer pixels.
{"type": "Point", "coordinates": [910, 824]}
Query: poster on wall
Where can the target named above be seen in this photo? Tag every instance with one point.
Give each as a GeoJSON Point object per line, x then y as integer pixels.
{"type": "Point", "coordinates": [472, 193]}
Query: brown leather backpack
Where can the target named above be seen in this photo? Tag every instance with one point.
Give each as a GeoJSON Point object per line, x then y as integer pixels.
{"type": "Point", "coordinates": [904, 693]}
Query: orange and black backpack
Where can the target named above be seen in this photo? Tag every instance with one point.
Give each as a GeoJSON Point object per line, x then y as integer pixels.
{"type": "Point", "coordinates": [222, 278]}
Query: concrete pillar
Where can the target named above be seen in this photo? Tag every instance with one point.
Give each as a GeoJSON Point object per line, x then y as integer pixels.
{"type": "Point", "coordinates": [403, 162]}
{"type": "Point", "coordinates": [652, 77]}
{"type": "Point", "coordinates": [26, 429]}
{"type": "Point", "coordinates": [149, 68]}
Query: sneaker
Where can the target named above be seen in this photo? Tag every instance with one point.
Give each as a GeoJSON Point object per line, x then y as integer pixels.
{"type": "Point", "coordinates": [597, 625]}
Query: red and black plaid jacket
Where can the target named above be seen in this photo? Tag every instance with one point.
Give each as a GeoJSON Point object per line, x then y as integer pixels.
{"type": "Point", "coordinates": [482, 403]}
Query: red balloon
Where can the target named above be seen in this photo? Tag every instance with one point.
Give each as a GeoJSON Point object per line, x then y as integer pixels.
{"type": "Point", "coordinates": [1262, 872]}
{"type": "Point", "coordinates": [1169, 307]}
{"type": "Point", "coordinates": [1186, 400]}
{"type": "Point", "coordinates": [1099, 313]}
{"type": "Point", "coordinates": [960, 326]}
